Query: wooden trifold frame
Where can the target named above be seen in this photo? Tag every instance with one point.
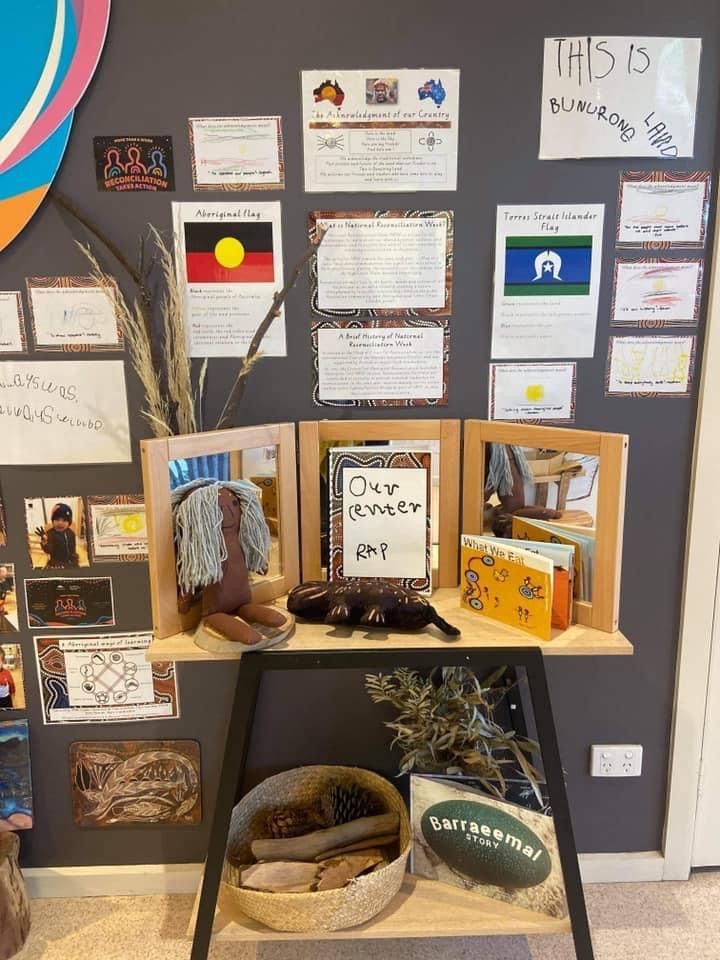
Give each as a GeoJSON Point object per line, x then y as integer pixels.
{"type": "Point", "coordinates": [611, 448]}
{"type": "Point", "coordinates": [156, 458]}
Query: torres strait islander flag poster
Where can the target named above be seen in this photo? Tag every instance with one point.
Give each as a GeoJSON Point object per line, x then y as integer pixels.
{"type": "Point", "coordinates": [547, 279]}
{"type": "Point", "coordinates": [229, 261]}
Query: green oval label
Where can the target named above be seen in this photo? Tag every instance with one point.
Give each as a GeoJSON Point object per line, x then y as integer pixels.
{"type": "Point", "coordinates": [486, 844]}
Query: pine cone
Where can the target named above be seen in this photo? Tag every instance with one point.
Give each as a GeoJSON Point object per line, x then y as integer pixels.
{"type": "Point", "coordinates": [285, 822]}
{"type": "Point", "coordinates": [344, 802]}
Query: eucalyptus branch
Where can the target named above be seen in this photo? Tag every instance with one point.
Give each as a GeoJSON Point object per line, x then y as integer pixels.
{"type": "Point", "coordinates": [238, 387]}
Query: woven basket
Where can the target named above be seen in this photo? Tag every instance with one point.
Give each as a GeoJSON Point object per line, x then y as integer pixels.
{"type": "Point", "coordinates": [359, 901]}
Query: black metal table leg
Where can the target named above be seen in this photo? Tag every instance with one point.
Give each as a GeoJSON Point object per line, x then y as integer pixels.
{"type": "Point", "coordinates": [236, 749]}
{"type": "Point", "coordinates": [552, 764]}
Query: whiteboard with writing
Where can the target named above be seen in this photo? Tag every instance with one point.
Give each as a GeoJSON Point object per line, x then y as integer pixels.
{"type": "Point", "coordinates": [384, 522]}
{"type": "Point", "coordinates": [63, 412]}
{"type": "Point", "coordinates": [619, 97]}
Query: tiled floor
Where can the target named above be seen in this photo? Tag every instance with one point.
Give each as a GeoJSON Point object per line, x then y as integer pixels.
{"type": "Point", "coordinates": [650, 921]}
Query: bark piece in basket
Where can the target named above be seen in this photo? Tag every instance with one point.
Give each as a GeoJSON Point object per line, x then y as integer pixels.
{"type": "Point", "coordinates": [14, 908]}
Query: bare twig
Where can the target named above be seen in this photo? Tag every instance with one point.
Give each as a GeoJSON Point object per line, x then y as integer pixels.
{"type": "Point", "coordinates": [238, 387]}
{"type": "Point", "coordinates": [64, 203]}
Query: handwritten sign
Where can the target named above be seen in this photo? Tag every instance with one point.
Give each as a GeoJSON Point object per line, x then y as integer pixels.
{"type": "Point", "coordinates": [619, 97]}
{"type": "Point", "coordinates": [63, 412]}
{"type": "Point", "coordinates": [380, 514]}
{"type": "Point", "coordinates": [384, 514]}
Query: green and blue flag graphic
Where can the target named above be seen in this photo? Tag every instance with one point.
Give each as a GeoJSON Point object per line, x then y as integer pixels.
{"type": "Point", "coordinates": [544, 266]}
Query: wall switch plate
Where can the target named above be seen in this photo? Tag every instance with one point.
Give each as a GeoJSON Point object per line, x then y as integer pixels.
{"type": "Point", "coordinates": [616, 760]}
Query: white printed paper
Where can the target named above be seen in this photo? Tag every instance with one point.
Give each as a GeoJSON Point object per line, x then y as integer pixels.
{"type": "Point", "coordinates": [656, 293]}
{"type": "Point", "coordinates": [229, 259]}
{"type": "Point", "coordinates": [547, 279]}
{"type": "Point", "coordinates": [380, 130]}
{"type": "Point", "coordinates": [384, 522]}
{"type": "Point", "coordinates": [63, 412]}
{"type": "Point", "coordinates": [663, 211]}
{"type": "Point", "coordinates": [661, 365]}
{"type": "Point", "coordinates": [619, 97]}
{"type": "Point", "coordinates": [236, 153]}
{"type": "Point", "coordinates": [11, 322]}
{"type": "Point", "coordinates": [532, 391]}
{"type": "Point", "coordinates": [382, 263]}
{"type": "Point", "coordinates": [76, 316]}
{"type": "Point", "coordinates": [103, 679]}
{"type": "Point", "coordinates": [118, 530]}
{"type": "Point", "coordinates": [385, 363]}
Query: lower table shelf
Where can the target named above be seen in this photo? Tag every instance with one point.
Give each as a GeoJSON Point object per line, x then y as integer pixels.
{"type": "Point", "coordinates": [476, 631]}
{"type": "Point", "coordinates": [422, 908]}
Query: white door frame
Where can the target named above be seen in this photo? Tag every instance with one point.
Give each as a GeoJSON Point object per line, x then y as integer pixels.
{"type": "Point", "coordinates": [698, 608]}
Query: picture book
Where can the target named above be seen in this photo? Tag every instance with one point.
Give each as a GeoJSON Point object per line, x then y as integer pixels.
{"type": "Point", "coordinates": [563, 560]}
{"type": "Point", "coordinates": [466, 838]}
{"type": "Point", "coordinates": [584, 544]}
{"type": "Point", "coordinates": [513, 586]}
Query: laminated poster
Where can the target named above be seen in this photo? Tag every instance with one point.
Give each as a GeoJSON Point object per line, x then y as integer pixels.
{"type": "Point", "coordinates": [532, 392]}
{"type": "Point", "coordinates": [663, 209]}
{"type": "Point", "coordinates": [650, 366]}
{"type": "Point", "coordinates": [69, 411]}
{"type": "Point", "coordinates": [16, 798]}
{"type": "Point", "coordinates": [619, 97]}
{"type": "Point", "coordinates": [229, 261]}
{"type": "Point", "coordinates": [547, 279]}
{"type": "Point", "coordinates": [380, 515]}
{"type": "Point", "coordinates": [103, 678]}
{"type": "Point", "coordinates": [237, 153]}
{"type": "Point", "coordinates": [12, 325]}
{"type": "Point", "coordinates": [381, 363]}
{"type": "Point", "coordinates": [654, 293]}
{"type": "Point", "coordinates": [382, 262]}
{"type": "Point", "coordinates": [73, 314]}
{"type": "Point", "coordinates": [68, 603]}
{"type": "Point", "coordinates": [118, 528]}
{"type": "Point", "coordinates": [134, 163]}
{"type": "Point", "coordinates": [380, 130]}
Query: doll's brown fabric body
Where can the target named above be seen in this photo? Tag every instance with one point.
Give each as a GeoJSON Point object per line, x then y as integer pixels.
{"type": "Point", "coordinates": [227, 606]}
{"type": "Point", "coordinates": [513, 504]}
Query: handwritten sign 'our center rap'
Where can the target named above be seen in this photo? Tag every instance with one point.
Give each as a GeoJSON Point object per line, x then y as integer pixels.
{"type": "Point", "coordinates": [380, 509]}
{"type": "Point", "coordinates": [63, 412]}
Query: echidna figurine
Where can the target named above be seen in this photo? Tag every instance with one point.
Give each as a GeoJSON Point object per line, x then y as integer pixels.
{"type": "Point", "coordinates": [368, 603]}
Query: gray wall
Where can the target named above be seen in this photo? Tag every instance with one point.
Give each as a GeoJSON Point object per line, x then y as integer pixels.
{"type": "Point", "coordinates": [170, 59]}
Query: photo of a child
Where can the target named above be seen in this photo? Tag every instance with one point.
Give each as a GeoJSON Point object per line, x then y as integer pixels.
{"type": "Point", "coordinates": [57, 532]}
{"type": "Point", "coordinates": [12, 687]}
{"type": "Point", "coordinates": [8, 603]}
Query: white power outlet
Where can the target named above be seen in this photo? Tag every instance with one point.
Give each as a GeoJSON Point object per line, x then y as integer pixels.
{"type": "Point", "coordinates": [616, 760]}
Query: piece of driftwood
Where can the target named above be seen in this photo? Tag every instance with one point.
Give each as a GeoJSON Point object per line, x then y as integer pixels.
{"type": "Point", "coordinates": [14, 908]}
{"type": "Point", "coordinates": [361, 845]}
{"type": "Point", "coordinates": [308, 847]}
{"type": "Point", "coordinates": [281, 876]}
{"type": "Point", "coordinates": [340, 870]}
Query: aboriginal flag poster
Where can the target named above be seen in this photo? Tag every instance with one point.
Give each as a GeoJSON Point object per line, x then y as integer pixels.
{"type": "Point", "coordinates": [547, 279]}
{"type": "Point", "coordinates": [229, 261]}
